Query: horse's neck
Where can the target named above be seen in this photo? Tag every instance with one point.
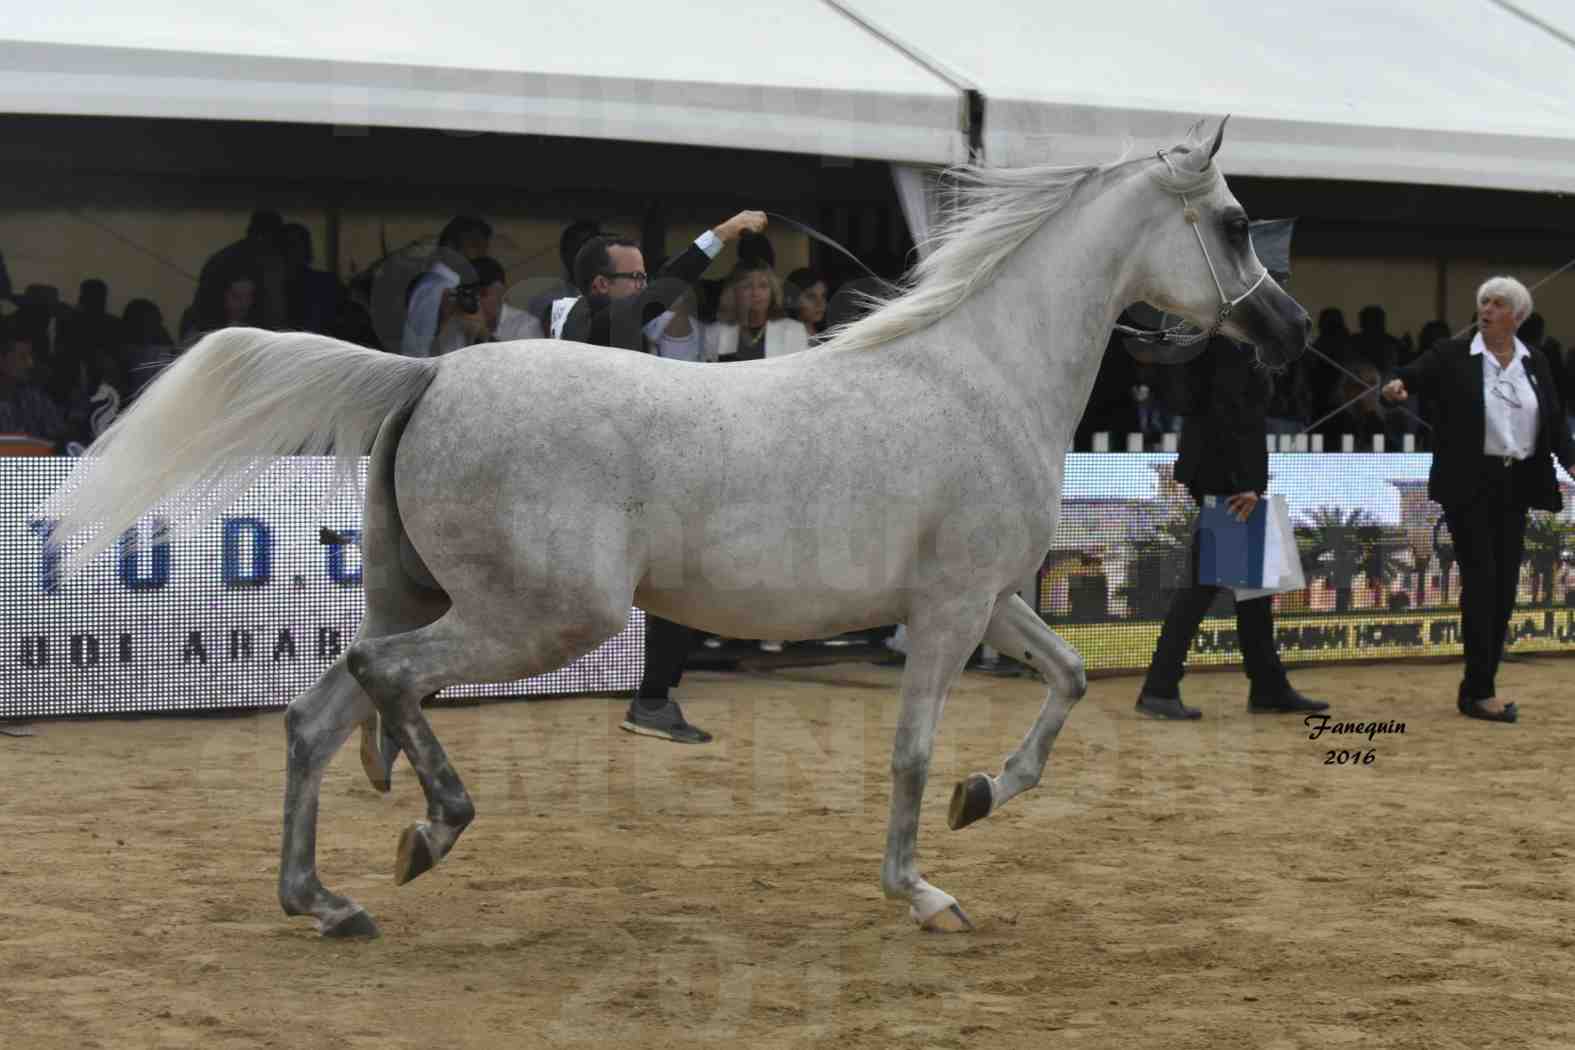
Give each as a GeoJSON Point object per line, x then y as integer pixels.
{"type": "Point", "coordinates": [1041, 327]}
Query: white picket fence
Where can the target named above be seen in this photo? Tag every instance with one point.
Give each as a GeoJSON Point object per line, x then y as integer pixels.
{"type": "Point", "coordinates": [1275, 442]}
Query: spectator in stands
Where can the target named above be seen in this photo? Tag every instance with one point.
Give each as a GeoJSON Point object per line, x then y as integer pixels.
{"type": "Point", "coordinates": [751, 323]}
{"type": "Point", "coordinates": [570, 241]}
{"type": "Point", "coordinates": [354, 323]}
{"type": "Point", "coordinates": [39, 317]}
{"type": "Point", "coordinates": [228, 300]}
{"type": "Point", "coordinates": [1364, 416]}
{"type": "Point", "coordinates": [1533, 332]}
{"type": "Point", "coordinates": [312, 295]}
{"type": "Point", "coordinates": [258, 255]}
{"type": "Point", "coordinates": [24, 408]}
{"type": "Point", "coordinates": [618, 301]}
{"type": "Point", "coordinates": [91, 331]}
{"type": "Point", "coordinates": [465, 238]}
{"type": "Point", "coordinates": [1498, 423]}
{"type": "Point", "coordinates": [147, 347]}
{"type": "Point", "coordinates": [1373, 343]}
{"type": "Point", "coordinates": [805, 296]}
{"type": "Point", "coordinates": [1334, 348]}
{"type": "Point", "coordinates": [1222, 395]}
{"type": "Point", "coordinates": [678, 334]}
{"type": "Point", "coordinates": [492, 320]}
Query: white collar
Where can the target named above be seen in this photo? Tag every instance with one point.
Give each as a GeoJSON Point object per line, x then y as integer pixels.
{"type": "Point", "coordinates": [1478, 346]}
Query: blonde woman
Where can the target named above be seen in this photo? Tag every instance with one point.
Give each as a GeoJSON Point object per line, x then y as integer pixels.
{"type": "Point", "coordinates": [751, 324]}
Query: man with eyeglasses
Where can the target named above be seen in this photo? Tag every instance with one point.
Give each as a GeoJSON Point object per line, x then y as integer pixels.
{"type": "Point", "coordinates": [617, 296]}
{"type": "Point", "coordinates": [618, 299]}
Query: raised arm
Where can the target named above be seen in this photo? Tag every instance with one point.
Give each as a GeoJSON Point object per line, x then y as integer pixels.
{"type": "Point", "coordinates": [630, 316]}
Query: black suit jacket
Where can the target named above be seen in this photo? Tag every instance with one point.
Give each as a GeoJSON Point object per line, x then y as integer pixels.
{"type": "Point", "coordinates": [620, 322]}
{"type": "Point", "coordinates": [1223, 397]}
{"type": "Point", "coordinates": [1450, 377]}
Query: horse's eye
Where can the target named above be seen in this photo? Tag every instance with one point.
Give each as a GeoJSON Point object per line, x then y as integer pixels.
{"type": "Point", "coordinates": [1237, 228]}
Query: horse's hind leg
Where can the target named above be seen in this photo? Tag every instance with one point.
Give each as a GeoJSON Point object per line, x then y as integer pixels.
{"type": "Point", "coordinates": [1016, 630]}
{"type": "Point", "coordinates": [496, 642]}
{"type": "Point", "coordinates": [317, 723]}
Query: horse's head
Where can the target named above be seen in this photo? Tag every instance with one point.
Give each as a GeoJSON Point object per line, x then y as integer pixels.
{"type": "Point", "coordinates": [1196, 257]}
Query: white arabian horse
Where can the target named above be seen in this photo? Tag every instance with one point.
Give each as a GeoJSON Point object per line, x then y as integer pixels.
{"type": "Point", "coordinates": [522, 496]}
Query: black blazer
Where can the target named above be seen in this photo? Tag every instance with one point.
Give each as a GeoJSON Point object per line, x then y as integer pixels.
{"type": "Point", "coordinates": [1449, 376]}
{"type": "Point", "coordinates": [621, 322]}
{"type": "Point", "coordinates": [1223, 397]}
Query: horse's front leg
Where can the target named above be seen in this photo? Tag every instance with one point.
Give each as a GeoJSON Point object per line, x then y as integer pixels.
{"type": "Point", "coordinates": [1016, 630]}
{"type": "Point", "coordinates": [316, 725]}
{"type": "Point", "coordinates": [940, 638]}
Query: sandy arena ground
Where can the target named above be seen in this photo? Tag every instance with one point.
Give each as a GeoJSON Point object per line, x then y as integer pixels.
{"type": "Point", "coordinates": [1169, 886]}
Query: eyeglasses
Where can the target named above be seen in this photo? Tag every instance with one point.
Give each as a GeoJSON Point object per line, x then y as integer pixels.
{"type": "Point", "coordinates": [638, 276]}
{"type": "Point", "coordinates": [1506, 392]}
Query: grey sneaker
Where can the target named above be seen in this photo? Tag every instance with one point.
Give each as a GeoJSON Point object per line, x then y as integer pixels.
{"type": "Point", "coordinates": [666, 722]}
{"type": "Point", "coordinates": [1169, 707]}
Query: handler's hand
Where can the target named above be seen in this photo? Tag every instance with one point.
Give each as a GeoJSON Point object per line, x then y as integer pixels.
{"type": "Point", "coordinates": [1394, 390]}
{"type": "Point", "coordinates": [753, 221]}
{"type": "Point", "coordinates": [1241, 504]}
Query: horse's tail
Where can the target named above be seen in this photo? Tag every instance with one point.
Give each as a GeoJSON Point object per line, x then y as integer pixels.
{"type": "Point", "coordinates": [213, 421]}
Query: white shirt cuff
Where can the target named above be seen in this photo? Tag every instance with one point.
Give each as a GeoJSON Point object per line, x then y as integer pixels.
{"type": "Point", "coordinates": [709, 243]}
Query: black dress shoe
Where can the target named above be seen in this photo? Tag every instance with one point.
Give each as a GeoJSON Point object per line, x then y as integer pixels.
{"type": "Point", "coordinates": [1169, 707]}
{"type": "Point", "coordinates": [1474, 709]}
{"type": "Point", "coordinates": [1284, 703]}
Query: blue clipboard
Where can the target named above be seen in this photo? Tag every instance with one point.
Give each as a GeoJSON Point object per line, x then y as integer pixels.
{"type": "Point", "coordinates": [1230, 551]}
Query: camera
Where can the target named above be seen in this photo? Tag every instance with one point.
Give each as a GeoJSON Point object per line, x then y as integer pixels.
{"type": "Point", "coordinates": [467, 297]}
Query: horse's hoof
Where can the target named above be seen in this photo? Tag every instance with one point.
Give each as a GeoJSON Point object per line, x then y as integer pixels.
{"type": "Point", "coordinates": [948, 920]}
{"type": "Point", "coordinates": [357, 924]}
{"type": "Point", "coordinates": [415, 855]}
{"type": "Point", "coordinates": [971, 801]}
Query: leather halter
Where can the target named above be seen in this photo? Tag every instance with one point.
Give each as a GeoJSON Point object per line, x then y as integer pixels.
{"type": "Point", "coordinates": [1177, 334]}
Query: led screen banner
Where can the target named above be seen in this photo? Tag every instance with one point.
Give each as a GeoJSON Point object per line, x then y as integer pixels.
{"type": "Point", "coordinates": [246, 613]}
{"type": "Point", "coordinates": [250, 611]}
{"type": "Point", "coordinates": [1379, 562]}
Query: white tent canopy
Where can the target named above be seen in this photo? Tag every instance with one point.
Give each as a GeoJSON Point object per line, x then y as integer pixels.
{"type": "Point", "coordinates": [1451, 92]}
{"type": "Point", "coordinates": [800, 78]}
{"type": "Point", "coordinates": [1454, 92]}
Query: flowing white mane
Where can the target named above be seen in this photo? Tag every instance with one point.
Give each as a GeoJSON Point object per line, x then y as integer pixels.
{"type": "Point", "coordinates": [991, 212]}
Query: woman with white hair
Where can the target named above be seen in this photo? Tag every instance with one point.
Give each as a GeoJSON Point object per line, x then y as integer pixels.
{"type": "Point", "coordinates": [1497, 421]}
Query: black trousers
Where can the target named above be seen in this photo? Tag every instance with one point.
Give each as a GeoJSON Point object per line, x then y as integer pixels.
{"type": "Point", "coordinates": [667, 649]}
{"type": "Point", "coordinates": [1254, 629]}
{"type": "Point", "coordinates": [1490, 537]}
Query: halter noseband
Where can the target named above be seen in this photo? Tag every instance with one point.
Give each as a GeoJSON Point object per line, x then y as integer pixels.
{"type": "Point", "coordinates": [1173, 335]}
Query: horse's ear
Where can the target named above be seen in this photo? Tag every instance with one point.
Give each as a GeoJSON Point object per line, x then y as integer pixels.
{"type": "Point", "coordinates": [1219, 137]}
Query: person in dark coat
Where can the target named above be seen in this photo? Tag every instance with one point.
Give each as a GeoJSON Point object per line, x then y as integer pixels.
{"type": "Point", "coordinates": [618, 298]}
{"type": "Point", "coordinates": [1223, 397]}
{"type": "Point", "coordinates": [1498, 424]}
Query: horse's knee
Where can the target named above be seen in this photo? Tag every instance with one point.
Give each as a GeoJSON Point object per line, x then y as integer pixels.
{"type": "Point", "coordinates": [358, 661]}
{"type": "Point", "coordinates": [372, 670]}
{"type": "Point", "coordinates": [1077, 687]}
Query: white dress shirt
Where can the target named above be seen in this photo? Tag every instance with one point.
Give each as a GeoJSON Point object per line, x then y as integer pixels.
{"type": "Point", "coordinates": [690, 347]}
{"type": "Point", "coordinates": [514, 324]}
{"type": "Point", "coordinates": [421, 316]}
{"type": "Point", "coordinates": [1510, 403]}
